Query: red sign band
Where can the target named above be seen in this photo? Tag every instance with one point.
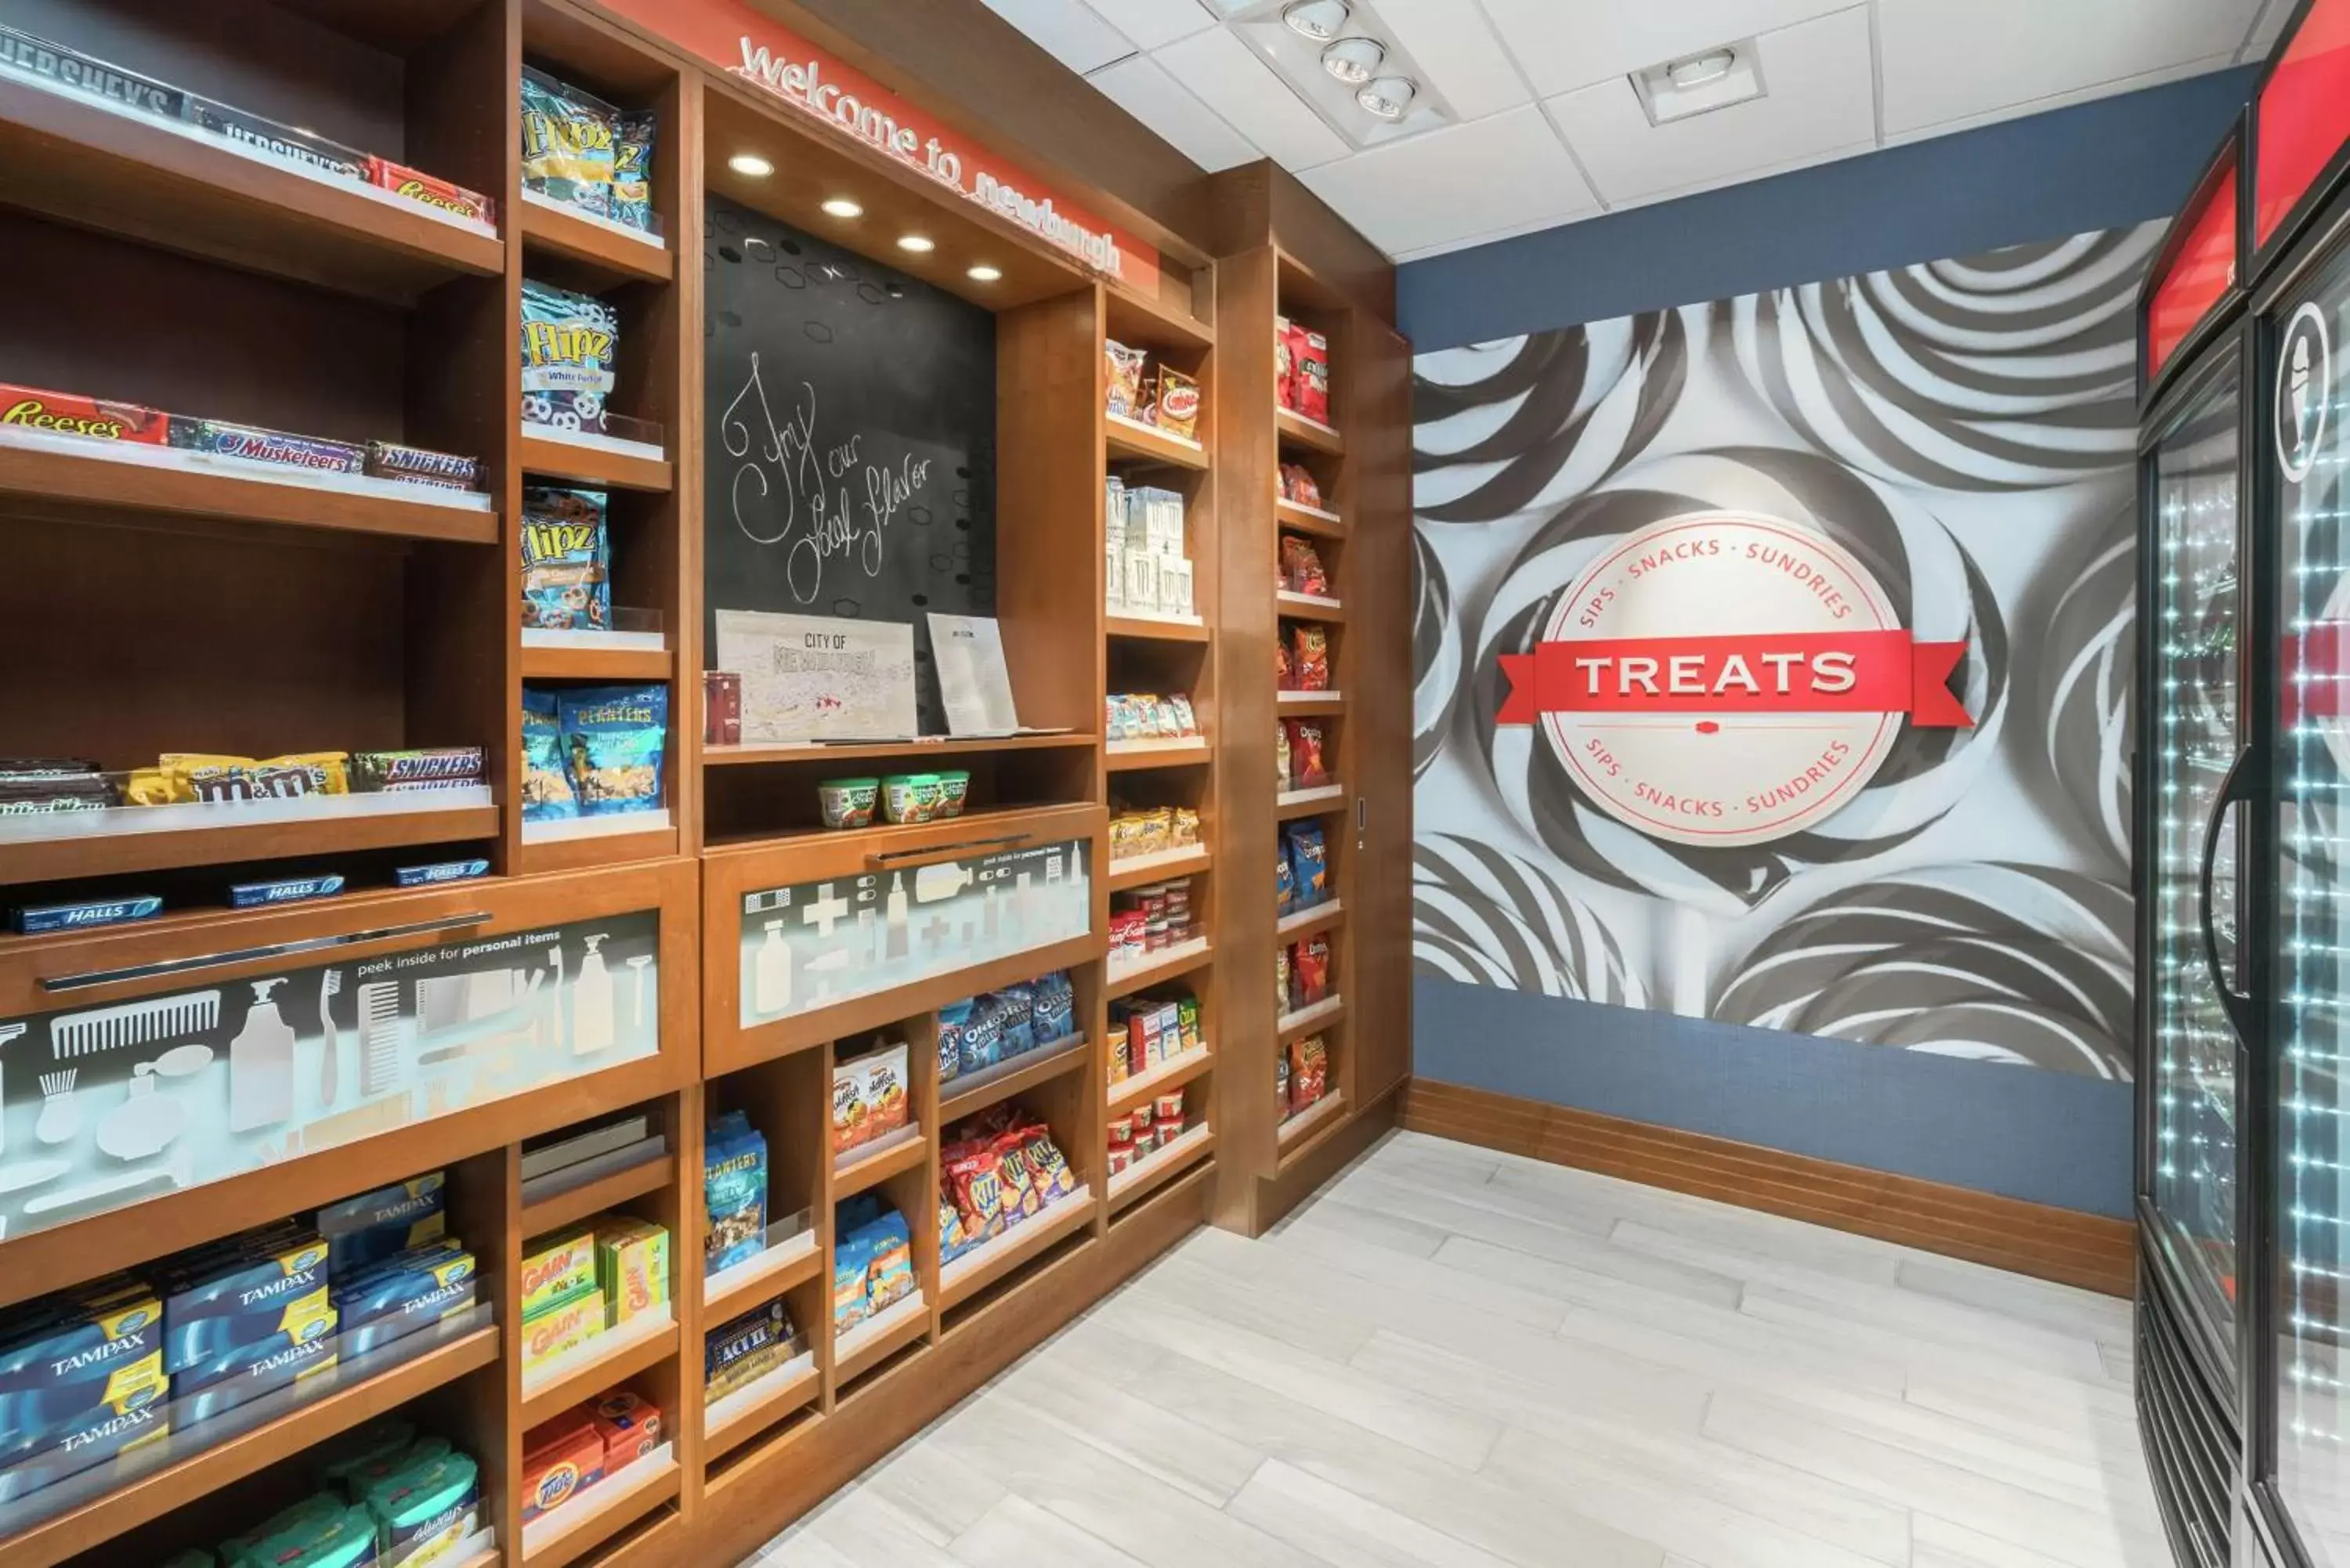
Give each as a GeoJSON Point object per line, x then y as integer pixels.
{"type": "Point", "coordinates": [1796, 672]}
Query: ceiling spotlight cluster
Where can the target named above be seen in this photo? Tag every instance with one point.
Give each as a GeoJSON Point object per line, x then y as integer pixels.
{"type": "Point", "coordinates": [1355, 60]}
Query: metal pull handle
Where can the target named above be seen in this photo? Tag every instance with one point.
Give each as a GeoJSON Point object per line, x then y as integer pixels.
{"type": "Point", "coordinates": [946, 851]}
{"type": "Point", "coordinates": [96, 977]}
{"type": "Point", "coordinates": [2239, 1006]}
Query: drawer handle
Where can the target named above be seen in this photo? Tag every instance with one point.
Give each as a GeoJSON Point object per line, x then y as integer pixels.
{"type": "Point", "coordinates": [947, 851]}
{"type": "Point", "coordinates": [245, 955]}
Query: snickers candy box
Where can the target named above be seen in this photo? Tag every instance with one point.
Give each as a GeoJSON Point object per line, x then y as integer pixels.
{"type": "Point", "coordinates": [253, 444]}
{"type": "Point", "coordinates": [390, 460]}
{"type": "Point", "coordinates": [63, 413]}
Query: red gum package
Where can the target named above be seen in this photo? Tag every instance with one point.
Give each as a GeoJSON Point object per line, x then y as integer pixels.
{"type": "Point", "coordinates": [63, 413]}
{"type": "Point", "coordinates": [417, 186]}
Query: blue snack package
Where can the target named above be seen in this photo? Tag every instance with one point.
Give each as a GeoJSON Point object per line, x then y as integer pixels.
{"type": "Point", "coordinates": [982, 1036]}
{"type": "Point", "coordinates": [632, 169]}
{"type": "Point", "coordinates": [1018, 1003]}
{"type": "Point", "coordinates": [546, 792]}
{"type": "Point", "coordinates": [566, 559]}
{"type": "Point", "coordinates": [33, 920]}
{"type": "Point", "coordinates": [954, 1022]}
{"type": "Point", "coordinates": [1284, 881]}
{"type": "Point", "coordinates": [734, 1193]}
{"type": "Point", "coordinates": [445, 871]}
{"type": "Point", "coordinates": [1056, 1007]}
{"type": "Point", "coordinates": [570, 344]}
{"type": "Point", "coordinates": [616, 737]}
{"type": "Point", "coordinates": [1308, 864]}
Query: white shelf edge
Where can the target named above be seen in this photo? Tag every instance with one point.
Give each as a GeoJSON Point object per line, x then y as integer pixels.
{"type": "Point", "coordinates": [1323, 513]}
{"type": "Point", "coordinates": [720, 1415]}
{"type": "Point", "coordinates": [613, 1493]}
{"type": "Point", "coordinates": [609, 1345]}
{"type": "Point", "coordinates": [1176, 1150]}
{"type": "Point", "coordinates": [1305, 1017]}
{"type": "Point", "coordinates": [1141, 1084]}
{"type": "Point", "coordinates": [645, 237]}
{"type": "Point", "coordinates": [1290, 797]}
{"type": "Point", "coordinates": [873, 1148]}
{"type": "Point", "coordinates": [886, 1321]}
{"type": "Point", "coordinates": [1159, 617]}
{"type": "Point", "coordinates": [1118, 971]}
{"type": "Point", "coordinates": [964, 1083]}
{"type": "Point", "coordinates": [588, 441]}
{"type": "Point", "coordinates": [609, 825]}
{"type": "Point", "coordinates": [1296, 1126]}
{"type": "Point", "coordinates": [1299, 698]}
{"type": "Point", "coordinates": [1063, 1211]}
{"type": "Point", "coordinates": [1307, 601]}
{"type": "Point", "coordinates": [1188, 855]}
{"type": "Point", "coordinates": [1306, 916]}
{"type": "Point", "coordinates": [1310, 422]}
{"type": "Point", "coordinates": [1127, 422]}
{"type": "Point", "coordinates": [595, 641]}
{"type": "Point", "coordinates": [758, 1266]}
{"type": "Point", "coordinates": [184, 460]}
{"type": "Point", "coordinates": [1159, 745]}
{"type": "Point", "coordinates": [136, 821]}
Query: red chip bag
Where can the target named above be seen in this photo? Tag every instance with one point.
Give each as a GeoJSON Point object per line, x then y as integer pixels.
{"type": "Point", "coordinates": [1297, 485]}
{"type": "Point", "coordinates": [1285, 675]}
{"type": "Point", "coordinates": [1307, 769]}
{"type": "Point", "coordinates": [1309, 965]}
{"type": "Point", "coordinates": [1309, 1072]}
{"type": "Point", "coordinates": [1309, 659]}
{"type": "Point", "coordinates": [1300, 566]}
{"type": "Point", "coordinates": [1312, 357]}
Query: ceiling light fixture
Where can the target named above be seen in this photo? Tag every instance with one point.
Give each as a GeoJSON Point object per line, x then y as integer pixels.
{"type": "Point", "coordinates": [920, 244]}
{"type": "Point", "coordinates": [1697, 70]}
{"type": "Point", "coordinates": [984, 274]}
{"type": "Point", "coordinates": [1319, 20]}
{"type": "Point", "coordinates": [1389, 97]}
{"type": "Point", "coordinates": [751, 164]}
{"type": "Point", "coordinates": [1354, 60]}
{"type": "Point", "coordinates": [842, 207]}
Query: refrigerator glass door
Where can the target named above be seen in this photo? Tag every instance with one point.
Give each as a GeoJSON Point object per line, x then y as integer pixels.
{"type": "Point", "coordinates": [2195, 1054]}
{"type": "Point", "coordinates": [2308, 449]}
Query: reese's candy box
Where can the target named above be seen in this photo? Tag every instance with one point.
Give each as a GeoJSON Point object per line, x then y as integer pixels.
{"type": "Point", "coordinates": [63, 413]}
{"type": "Point", "coordinates": [70, 69]}
{"type": "Point", "coordinates": [418, 186]}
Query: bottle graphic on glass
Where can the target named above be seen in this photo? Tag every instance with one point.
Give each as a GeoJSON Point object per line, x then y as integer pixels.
{"type": "Point", "coordinates": [593, 1022]}
{"type": "Point", "coordinates": [771, 974]}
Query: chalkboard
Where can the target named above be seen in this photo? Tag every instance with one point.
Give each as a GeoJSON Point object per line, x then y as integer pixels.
{"type": "Point", "coordinates": [850, 437]}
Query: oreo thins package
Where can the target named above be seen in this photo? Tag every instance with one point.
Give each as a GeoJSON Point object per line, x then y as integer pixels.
{"type": "Point", "coordinates": [377, 1225]}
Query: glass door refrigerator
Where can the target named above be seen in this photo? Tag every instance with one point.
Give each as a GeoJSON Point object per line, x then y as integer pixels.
{"type": "Point", "coordinates": [2197, 765]}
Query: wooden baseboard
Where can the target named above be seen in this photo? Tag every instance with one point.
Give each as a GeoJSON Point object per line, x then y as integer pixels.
{"type": "Point", "coordinates": [2060, 1245]}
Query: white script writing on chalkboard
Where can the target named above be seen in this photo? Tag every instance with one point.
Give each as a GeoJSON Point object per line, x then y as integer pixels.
{"type": "Point", "coordinates": [807, 508]}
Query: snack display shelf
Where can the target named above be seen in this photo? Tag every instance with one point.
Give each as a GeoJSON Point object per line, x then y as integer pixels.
{"type": "Point", "coordinates": [479, 1550]}
{"type": "Point", "coordinates": [1172, 1073]}
{"type": "Point", "coordinates": [1322, 1113]}
{"type": "Point", "coordinates": [1309, 606]}
{"type": "Point", "coordinates": [611, 252]}
{"type": "Point", "coordinates": [1312, 434]}
{"type": "Point", "coordinates": [1136, 870]}
{"type": "Point", "coordinates": [960, 1097]}
{"type": "Point", "coordinates": [567, 1206]}
{"type": "Point", "coordinates": [1133, 442]}
{"type": "Point", "coordinates": [71, 1516]}
{"type": "Point", "coordinates": [750, 753]}
{"type": "Point", "coordinates": [1146, 1175]}
{"type": "Point", "coordinates": [108, 167]}
{"type": "Point", "coordinates": [1139, 318]}
{"type": "Point", "coordinates": [1310, 802]}
{"type": "Point", "coordinates": [588, 656]}
{"type": "Point", "coordinates": [606, 461]}
{"type": "Point", "coordinates": [1311, 520]}
{"type": "Point", "coordinates": [75, 475]}
{"type": "Point", "coordinates": [1032, 822]}
{"type": "Point", "coordinates": [726, 1422]}
{"type": "Point", "coordinates": [596, 1515]}
{"type": "Point", "coordinates": [879, 1337]}
{"type": "Point", "coordinates": [46, 846]}
{"type": "Point", "coordinates": [604, 1362]}
{"type": "Point", "coordinates": [1307, 1019]}
{"type": "Point", "coordinates": [609, 825]}
{"type": "Point", "coordinates": [1309, 704]}
{"type": "Point", "coordinates": [870, 1164]}
{"type": "Point", "coordinates": [1124, 756]}
{"type": "Point", "coordinates": [974, 1270]}
{"type": "Point", "coordinates": [1158, 627]}
{"type": "Point", "coordinates": [762, 1276]}
{"type": "Point", "coordinates": [1154, 968]}
{"type": "Point", "coordinates": [1315, 918]}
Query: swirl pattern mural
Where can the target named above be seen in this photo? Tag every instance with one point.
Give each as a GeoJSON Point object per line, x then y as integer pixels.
{"type": "Point", "coordinates": [1963, 431]}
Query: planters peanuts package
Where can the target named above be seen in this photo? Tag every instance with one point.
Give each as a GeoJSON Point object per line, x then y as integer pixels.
{"type": "Point", "coordinates": [546, 792]}
{"type": "Point", "coordinates": [616, 737]}
{"type": "Point", "coordinates": [376, 1225]}
{"type": "Point", "coordinates": [734, 1193]}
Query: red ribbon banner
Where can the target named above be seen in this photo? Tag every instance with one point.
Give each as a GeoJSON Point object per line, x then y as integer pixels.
{"type": "Point", "coordinates": [1794, 672]}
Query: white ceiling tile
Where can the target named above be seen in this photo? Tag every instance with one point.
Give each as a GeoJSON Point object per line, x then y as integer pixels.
{"type": "Point", "coordinates": [2059, 100]}
{"type": "Point", "coordinates": [1458, 52]}
{"type": "Point", "coordinates": [1231, 80]}
{"type": "Point", "coordinates": [1151, 23]}
{"type": "Point", "coordinates": [1443, 186]}
{"type": "Point", "coordinates": [1138, 86]}
{"type": "Point", "coordinates": [1066, 29]}
{"type": "Point", "coordinates": [1946, 61]}
{"type": "Point", "coordinates": [1818, 97]}
{"type": "Point", "coordinates": [1567, 44]}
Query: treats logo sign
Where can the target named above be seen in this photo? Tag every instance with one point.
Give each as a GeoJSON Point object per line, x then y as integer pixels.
{"type": "Point", "coordinates": [1767, 721]}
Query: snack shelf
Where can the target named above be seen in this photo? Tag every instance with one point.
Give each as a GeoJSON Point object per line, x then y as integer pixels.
{"type": "Point", "coordinates": [1306, 704]}
{"type": "Point", "coordinates": [45, 474]}
{"type": "Point", "coordinates": [1307, 1019]}
{"type": "Point", "coordinates": [1152, 968]}
{"type": "Point", "coordinates": [1313, 801]}
{"type": "Point", "coordinates": [960, 1097]}
{"type": "Point", "coordinates": [592, 1517]}
{"type": "Point", "coordinates": [572, 1205]}
{"type": "Point", "coordinates": [1172, 1073]}
{"type": "Point", "coordinates": [1139, 319]}
{"type": "Point", "coordinates": [608, 253]}
{"type": "Point", "coordinates": [1159, 627]}
{"type": "Point", "coordinates": [1312, 434]}
{"type": "Point", "coordinates": [728, 1421]}
{"type": "Point", "coordinates": [1125, 757]}
{"type": "Point", "coordinates": [71, 1516]}
{"type": "Point", "coordinates": [1129, 440]}
{"type": "Point", "coordinates": [110, 168]}
{"type": "Point", "coordinates": [609, 825]}
{"type": "Point", "coordinates": [1145, 1175]}
{"type": "Point", "coordinates": [1136, 870]}
{"type": "Point", "coordinates": [886, 838]}
{"type": "Point", "coordinates": [750, 754]}
{"type": "Point", "coordinates": [879, 1337]}
{"type": "Point", "coordinates": [1315, 918]}
{"type": "Point", "coordinates": [595, 459]}
{"type": "Point", "coordinates": [1311, 520]}
{"type": "Point", "coordinates": [488, 1556]}
{"type": "Point", "coordinates": [1322, 1113]}
{"type": "Point", "coordinates": [1309, 606]}
{"type": "Point", "coordinates": [974, 1270]}
{"type": "Point", "coordinates": [607, 1360]}
{"type": "Point", "coordinates": [864, 1167]}
{"type": "Point", "coordinates": [739, 1287]}
{"type": "Point", "coordinates": [48, 846]}
{"type": "Point", "coordinates": [546, 657]}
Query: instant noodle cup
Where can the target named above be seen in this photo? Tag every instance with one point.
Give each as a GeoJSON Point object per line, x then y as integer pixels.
{"type": "Point", "coordinates": [848, 802]}
{"type": "Point", "coordinates": [955, 788]}
{"type": "Point", "coordinates": [909, 797]}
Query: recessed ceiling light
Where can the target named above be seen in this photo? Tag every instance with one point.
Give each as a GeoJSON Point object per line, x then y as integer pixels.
{"type": "Point", "coordinates": [1352, 60]}
{"type": "Point", "coordinates": [1709, 67]}
{"type": "Point", "coordinates": [752, 164]}
{"type": "Point", "coordinates": [984, 274]}
{"type": "Point", "coordinates": [842, 207]}
{"type": "Point", "coordinates": [1319, 20]}
{"type": "Point", "coordinates": [918, 243]}
{"type": "Point", "coordinates": [1389, 97]}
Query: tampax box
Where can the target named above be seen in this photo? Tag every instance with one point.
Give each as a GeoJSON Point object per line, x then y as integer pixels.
{"type": "Point", "coordinates": [402, 1295]}
{"type": "Point", "coordinates": [552, 1273]}
{"type": "Point", "coordinates": [246, 1292]}
{"type": "Point", "coordinates": [70, 1362]}
{"type": "Point", "coordinates": [561, 1328]}
{"type": "Point", "coordinates": [632, 1265]}
{"type": "Point", "coordinates": [375, 1225]}
{"type": "Point", "coordinates": [565, 1457]}
{"type": "Point", "coordinates": [102, 1434]}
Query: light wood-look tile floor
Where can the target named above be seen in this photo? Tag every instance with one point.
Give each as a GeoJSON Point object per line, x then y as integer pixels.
{"type": "Point", "coordinates": [1465, 1359]}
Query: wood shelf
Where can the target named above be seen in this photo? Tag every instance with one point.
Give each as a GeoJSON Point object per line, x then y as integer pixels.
{"type": "Point", "coordinates": [1168, 1075]}
{"type": "Point", "coordinates": [858, 1171]}
{"type": "Point", "coordinates": [886, 837]}
{"type": "Point", "coordinates": [1312, 520]}
{"type": "Point", "coordinates": [551, 458]}
{"type": "Point", "coordinates": [1309, 606]}
{"type": "Point", "coordinates": [1156, 629]}
{"type": "Point", "coordinates": [1157, 968]}
{"type": "Point", "coordinates": [1308, 1019]}
{"type": "Point", "coordinates": [1297, 429]}
{"type": "Point", "coordinates": [600, 255]}
{"type": "Point", "coordinates": [1130, 442]}
{"type": "Point", "coordinates": [50, 859]}
{"type": "Point", "coordinates": [728, 1422]}
{"type": "Point", "coordinates": [1312, 704]}
{"type": "Point", "coordinates": [735, 1289]}
{"type": "Point", "coordinates": [974, 1270]}
{"type": "Point", "coordinates": [819, 752]}
{"type": "Point", "coordinates": [1140, 320]}
{"type": "Point", "coordinates": [1126, 756]}
{"type": "Point", "coordinates": [602, 1512]}
{"type": "Point", "coordinates": [542, 662]}
{"type": "Point", "coordinates": [334, 1402]}
{"type": "Point", "coordinates": [1316, 800]}
{"type": "Point", "coordinates": [568, 1208]}
{"type": "Point", "coordinates": [1316, 918]}
{"type": "Point", "coordinates": [178, 188]}
{"type": "Point", "coordinates": [1139, 870]}
{"type": "Point", "coordinates": [874, 1341]}
{"type": "Point", "coordinates": [1162, 1165]}
{"type": "Point", "coordinates": [961, 1096]}
{"type": "Point", "coordinates": [1297, 1132]}
{"type": "Point", "coordinates": [604, 1362]}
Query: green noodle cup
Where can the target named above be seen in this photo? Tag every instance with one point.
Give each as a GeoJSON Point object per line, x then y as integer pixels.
{"type": "Point", "coordinates": [909, 797]}
{"type": "Point", "coordinates": [955, 788]}
{"type": "Point", "coordinates": [848, 802]}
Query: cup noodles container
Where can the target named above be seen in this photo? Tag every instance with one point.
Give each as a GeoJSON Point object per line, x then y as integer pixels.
{"type": "Point", "coordinates": [1121, 1158]}
{"type": "Point", "coordinates": [63, 413]}
{"type": "Point", "coordinates": [1121, 1132]}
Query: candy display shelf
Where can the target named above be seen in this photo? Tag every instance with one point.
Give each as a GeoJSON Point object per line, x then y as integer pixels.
{"type": "Point", "coordinates": [1155, 1171]}
{"type": "Point", "coordinates": [56, 844]}
{"type": "Point", "coordinates": [731, 1419]}
{"type": "Point", "coordinates": [1159, 627]}
{"type": "Point", "coordinates": [1312, 801]}
{"type": "Point", "coordinates": [1125, 757]}
{"type": "Point", "coordinates": [1171, 1073]}
{"type": "Point", "coordinates": [1157, 969]}
{"type": "Point", "coordinates": [1302, 1125]}
{"type": "Point", "coordinates": [608, 253]}
{"type": "Point", "coordinates": [1301, 518]}
{"type": "Point", "coordinates": [1129, 439]}
{"type": "Point", "coordinates": [1312, 434]}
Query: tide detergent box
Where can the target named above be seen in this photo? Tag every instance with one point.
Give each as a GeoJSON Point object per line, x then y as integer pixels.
{"type": "Point", "coordinates": [629, 1426]}
{"type": "Point", "coordinates": [566, 1459]}
{"type": "Point", "coordinates": [375, 1225]}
